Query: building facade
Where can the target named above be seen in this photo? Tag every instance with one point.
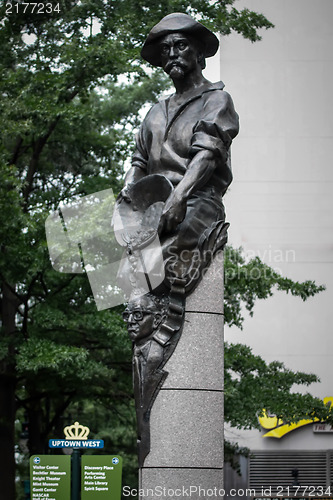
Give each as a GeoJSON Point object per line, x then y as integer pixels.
{"type": "Point", "coordinates": [280, 206]}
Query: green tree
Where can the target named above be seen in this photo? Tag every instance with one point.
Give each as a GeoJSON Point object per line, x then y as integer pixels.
{"type": "Point", "coordinates": [72, 85]}
{"type": "Point", "coordinates": [250, 383]}
{"type": "Point", "coordinates": [59, 139]}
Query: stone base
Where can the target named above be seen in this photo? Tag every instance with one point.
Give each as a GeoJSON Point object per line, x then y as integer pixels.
{"type": "Point", "coordinates": [186, 422]}
{"type": "Point", "coordinates": [187, 429]}
{"type": "Point", "coordinates": [170, 484]}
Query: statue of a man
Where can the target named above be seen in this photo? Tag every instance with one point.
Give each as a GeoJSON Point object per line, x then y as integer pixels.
{"type": "Point", "coordinates": [186, 139]}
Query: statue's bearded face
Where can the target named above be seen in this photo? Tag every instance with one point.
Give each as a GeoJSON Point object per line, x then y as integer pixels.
{"type": "Point", "coordinates": [179, 55]}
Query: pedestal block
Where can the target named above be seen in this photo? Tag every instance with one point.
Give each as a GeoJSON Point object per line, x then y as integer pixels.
{"type": "Point", "coordinates": [186, 423]}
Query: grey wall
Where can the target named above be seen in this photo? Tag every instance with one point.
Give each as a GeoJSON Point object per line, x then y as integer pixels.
{"type": "Point", "coordinates": [280, 204]}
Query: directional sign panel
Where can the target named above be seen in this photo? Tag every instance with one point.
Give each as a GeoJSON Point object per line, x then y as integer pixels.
{"type": "Point", "coordinates": [101, 477]}
{"type": "Point", "coordinates": [50, 477]}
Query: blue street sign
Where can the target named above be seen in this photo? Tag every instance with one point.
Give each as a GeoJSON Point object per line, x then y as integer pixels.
{"type": "Point", "coordinates": [76, 443]}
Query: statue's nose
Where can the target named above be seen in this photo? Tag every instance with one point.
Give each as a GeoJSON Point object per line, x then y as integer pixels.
{"type": "Point", "coordinates": [131, 318]}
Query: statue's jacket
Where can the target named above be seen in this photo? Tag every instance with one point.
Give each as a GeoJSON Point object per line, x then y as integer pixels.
{"type": "Point", "coordinates": [168, 139]}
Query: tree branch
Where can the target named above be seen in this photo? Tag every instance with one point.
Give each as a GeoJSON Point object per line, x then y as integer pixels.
{"type": "Point", "coordinates": [39, 145]}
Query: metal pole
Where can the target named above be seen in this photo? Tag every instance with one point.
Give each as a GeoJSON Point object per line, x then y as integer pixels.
{"type": "Point", "coordinates": [76, 474]}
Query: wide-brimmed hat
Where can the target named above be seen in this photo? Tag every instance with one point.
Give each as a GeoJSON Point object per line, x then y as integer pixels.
{"type": "Point", "coordinates": [178, 23]}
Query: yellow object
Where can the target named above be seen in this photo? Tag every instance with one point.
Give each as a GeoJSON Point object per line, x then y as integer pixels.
{"type": "Point", "coordinates": [76, 431]}
{"type": "Point", "coordinates": [268, 422]}
{"type": "Point", "coordinates": [279, 429]}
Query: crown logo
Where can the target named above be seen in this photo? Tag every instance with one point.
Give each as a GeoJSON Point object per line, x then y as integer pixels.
{"type": "Point", "coordinates": [76, 431]}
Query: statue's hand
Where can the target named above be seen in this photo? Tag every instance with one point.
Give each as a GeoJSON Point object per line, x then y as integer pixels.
{"type": "Point", "coordinates": [124, 195]}
{"type": "Point", "coordinates": [173, 214]}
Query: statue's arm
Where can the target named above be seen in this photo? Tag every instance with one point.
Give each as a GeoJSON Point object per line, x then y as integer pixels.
{"type": "Point", "coordinates": [199, 171]}
{"type": "Point", "coordinates": [211, 141]}
{"type": "Point", "coordinates": [138, 169]}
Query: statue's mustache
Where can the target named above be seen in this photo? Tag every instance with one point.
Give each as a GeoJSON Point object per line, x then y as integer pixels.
{"type": "Point", "coordinates": [173, 64]}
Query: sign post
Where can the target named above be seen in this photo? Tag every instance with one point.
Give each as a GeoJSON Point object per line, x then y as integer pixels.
{"type": "Point", "coordinates": [61, 477]}
{"type": "Point", "coordinates": [76, 438]}
{"type": "Point", "coordinates": [76, 469]}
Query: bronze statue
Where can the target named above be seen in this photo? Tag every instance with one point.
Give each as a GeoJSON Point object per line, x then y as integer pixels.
{"type": "Point", "coordinates": [186, 139]}
{"type": "Point", "coordinates": [143, 317]}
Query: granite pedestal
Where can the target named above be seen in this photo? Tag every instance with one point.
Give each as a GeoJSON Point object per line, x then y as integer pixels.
{"type": "Point", "coordinates": [186, 424]}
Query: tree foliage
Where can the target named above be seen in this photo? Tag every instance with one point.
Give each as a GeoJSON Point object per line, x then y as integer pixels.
{"type": "Point", "coordinates": [247, 281]}
{"type": "Point", "coordinates": [72, 86]}
{"type": "Point", "coordinates": [266, 386]}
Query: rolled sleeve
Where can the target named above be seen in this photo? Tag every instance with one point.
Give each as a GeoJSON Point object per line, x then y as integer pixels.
{"type": "Point", "coordinates": [140, 156]}
{"type": "Point", "coordinates": [215, 131]}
